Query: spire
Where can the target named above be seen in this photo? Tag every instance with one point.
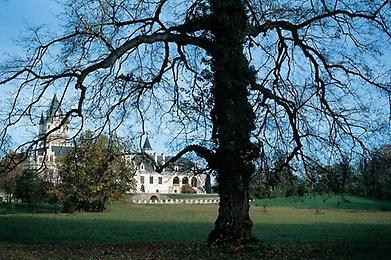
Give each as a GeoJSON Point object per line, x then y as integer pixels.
{"type": "Point", "coordinates": [42, 120]}
{"type": "Point", "coordinates": [54, 107]}
{"type": "Point", "coordinates": [147, 145]}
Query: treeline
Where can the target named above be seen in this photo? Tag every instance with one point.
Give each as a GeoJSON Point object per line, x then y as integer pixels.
{"type": "Point", "coordinates": [368, 176]}
{"type": "Point", "coordinates": [91, 174]}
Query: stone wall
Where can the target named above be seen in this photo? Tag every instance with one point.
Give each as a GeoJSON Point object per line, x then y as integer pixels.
{"type": "Point", "coordinates": [177, 201]}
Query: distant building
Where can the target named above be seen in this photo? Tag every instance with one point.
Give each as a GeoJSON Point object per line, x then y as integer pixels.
{"type": "Point", "coordinates": [171, 180]}
{"type": "Point", "coordinates": [46, 155]}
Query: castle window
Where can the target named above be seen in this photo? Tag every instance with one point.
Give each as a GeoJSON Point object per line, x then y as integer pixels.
{"type": "Point", "coordinates": [185, 181]}
{"type": "Point", "coordinates": [194, 182]}
{"type": "Point", "coordinates": [151, 180]}
{"type": "Point", "coordinates": [175, 181]}
{"type": "Point", "coordinates": [142, 179]}
{"type": "Point", "coordinates": [160, 180]}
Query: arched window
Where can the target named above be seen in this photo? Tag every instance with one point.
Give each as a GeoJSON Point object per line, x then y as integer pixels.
{"type": "Point", "coordinates": [194, 182]}
{"type": "Point", "coordinates": [154, 198]}
{"type": "Point", "coordinates": [175, 181]}
{"type": "Point", "coordinates": [185, 181]}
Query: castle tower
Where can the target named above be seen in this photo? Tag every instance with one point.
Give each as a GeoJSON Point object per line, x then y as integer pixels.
{"type": "Point", "coordinates": [42, 126]}
{"type": "Point", "coordinates": [53, 119]}
{"type": "Point", "coordinates": [147, 148]}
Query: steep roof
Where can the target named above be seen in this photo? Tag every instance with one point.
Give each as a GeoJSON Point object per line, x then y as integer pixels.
{"type": "Point", "coordinates": [42, 120]}
{"type": "Point", "coordinates": [147, 145]}
{"type": "Point", "coordinates": [54, 107]}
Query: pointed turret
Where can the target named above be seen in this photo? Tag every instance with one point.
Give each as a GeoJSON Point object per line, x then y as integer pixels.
{"type": "Point", "coordinates": [42, 125]}
{"type": "Point", "coordinates": [54, 108]}
{"type": "Point", "coordinates": [52, 120]}
{"type": "Point", "coordinates": [147, 145]}
{"type": "Point", "coordinates": [42, 120]}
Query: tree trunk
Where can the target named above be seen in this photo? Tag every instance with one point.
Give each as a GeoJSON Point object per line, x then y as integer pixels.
{"type": "Point", "coordinates": [233, 224]}
{"type": "Point", "coordinates": [233, 121]}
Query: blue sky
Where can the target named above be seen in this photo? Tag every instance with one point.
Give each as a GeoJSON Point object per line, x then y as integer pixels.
{"type": "Point", "coordinates": [17, 15]}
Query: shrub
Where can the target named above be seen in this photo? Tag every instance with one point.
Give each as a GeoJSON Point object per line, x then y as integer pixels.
{"type": "Point", "coordinates": [187, 189]}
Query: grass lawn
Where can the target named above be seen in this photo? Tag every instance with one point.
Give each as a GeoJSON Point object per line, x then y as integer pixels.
{"type": "Point", "coordinates": [179, 231]}
{"type": "Point", "coordinates": [326, 202]}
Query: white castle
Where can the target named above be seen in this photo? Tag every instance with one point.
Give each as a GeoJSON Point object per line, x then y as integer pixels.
{"type": "Point", "coordinates": [44, 158]}
{"type": "Point", "coordinates": [173, 179]}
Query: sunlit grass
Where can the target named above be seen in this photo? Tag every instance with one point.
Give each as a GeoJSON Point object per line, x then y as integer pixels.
{"type": "Point", "coordinates": [124, 222]}
{"type": "Point", "coordinates": [325, 202]}
{"type": "Point", "coordinates": [179, 232]}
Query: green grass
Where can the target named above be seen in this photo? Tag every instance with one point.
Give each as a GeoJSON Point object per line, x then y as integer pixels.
{"type": "Point", "coordinates": [169, 231]}
{"type": "Point", "coordinates": [121, 223]}
{"type": "Point", "coordinates": [21, 208]}
{"type": "Point", "coordinates": [326, 202]}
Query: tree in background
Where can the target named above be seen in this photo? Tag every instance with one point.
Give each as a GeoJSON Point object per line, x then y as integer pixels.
{"type": "Point", "coordinates": [376, 173]}
{"type": "Point", "coordinates": [334, 178]}
{"type": "Point", "coordinates": [277, 180]}
{"type": "Point", "coordinates": [208, 184]}
{"type": "Point", "coordinates": [32, 189]}
{"type": "Point", "coordinates": [306, 77]}
{"type": "Point", "coordinates": [186, 188]}
{"type": "Point", "coordinates": [9, 170]}
{"type": "Point", "coordinates": [93, 174]}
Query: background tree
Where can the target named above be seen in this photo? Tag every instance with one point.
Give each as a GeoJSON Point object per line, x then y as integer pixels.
{"type": "Point", "coordinates": [187, 189]}
{"type": "Point", "coordinates": [93, 174]}
{"type": "Point", "coordinates": [219, 74]}
{"type": "Point", "coordinates": [208, 183]}
{"type": "Point", "coordinates": [32, 189]}
{"type": "Point", "coordinates": [334, 178]}
{"type": "Point", "coordinates": [277, 180]}
{"type": "Point", "coordinates": [9, 170]}
{"type": "Point", "coordinates": [376, 173]}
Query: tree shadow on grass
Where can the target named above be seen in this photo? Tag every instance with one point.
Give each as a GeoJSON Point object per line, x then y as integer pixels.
{"type": "Point", "coordinates": [65, 229]}
{"type": "Point", "coordinates": [71, 236]}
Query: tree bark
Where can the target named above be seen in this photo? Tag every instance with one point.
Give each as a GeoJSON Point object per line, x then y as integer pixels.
{"type": "Point", "coordinates": [233, 121]}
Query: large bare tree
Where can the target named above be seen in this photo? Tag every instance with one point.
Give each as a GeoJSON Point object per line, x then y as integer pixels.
{"type": "Point", "coordinates": [237, 79]}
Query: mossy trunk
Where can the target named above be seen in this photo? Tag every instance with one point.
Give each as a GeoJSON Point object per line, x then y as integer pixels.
{"type": "Point", "coordinates": [233, 121]}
